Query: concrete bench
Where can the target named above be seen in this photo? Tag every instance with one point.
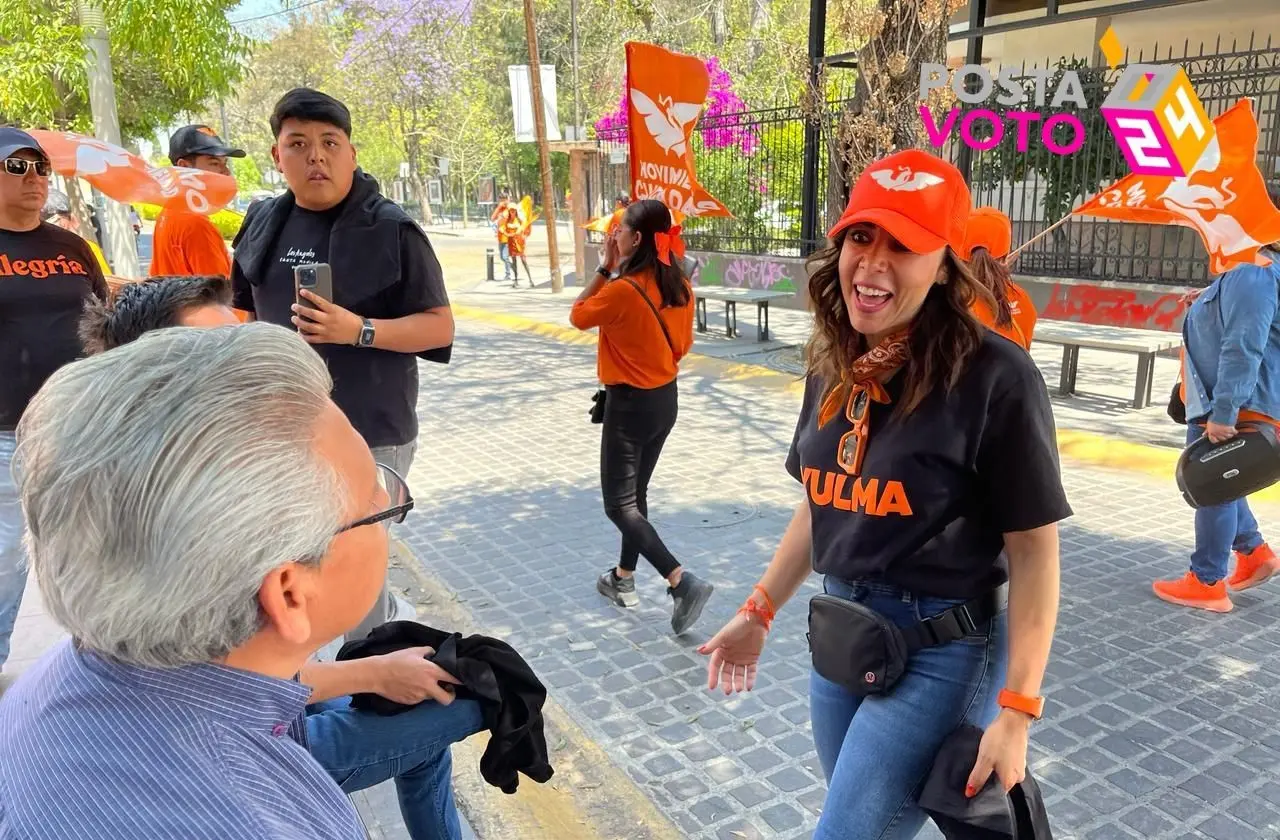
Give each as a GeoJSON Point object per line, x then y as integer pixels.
{"type": "Point", "coordinates": [1145, 344]}
{"type": "Point", "coordinates": [731, 298]}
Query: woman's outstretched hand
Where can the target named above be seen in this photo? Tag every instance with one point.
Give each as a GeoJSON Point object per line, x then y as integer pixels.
{"type": "Point", "coordinates": [735, 653]}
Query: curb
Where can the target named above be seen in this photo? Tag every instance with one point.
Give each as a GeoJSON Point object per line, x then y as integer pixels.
{"type": "Point", "coordinates": [1090, 448]}
{"type": "Point", "coordinates": [588, 798]}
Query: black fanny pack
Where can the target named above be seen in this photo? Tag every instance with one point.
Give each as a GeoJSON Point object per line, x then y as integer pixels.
{"type": "Point", "coordinates": [856, 647]}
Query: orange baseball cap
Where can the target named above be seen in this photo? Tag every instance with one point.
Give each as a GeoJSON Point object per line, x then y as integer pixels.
{"type": "Point", "coordinates": [921, 200]}
{"type": "Point", "coordinates": [988, 228]}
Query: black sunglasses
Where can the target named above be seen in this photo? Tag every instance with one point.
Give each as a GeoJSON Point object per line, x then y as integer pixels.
{"type": "Point", "coordinates": [20, 167]}
{"type": "Point", "coordinates": [397, 491]}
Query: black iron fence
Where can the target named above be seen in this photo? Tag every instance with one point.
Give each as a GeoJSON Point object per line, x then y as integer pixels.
{"type": "Point", "coordinates": [753, 162]}
{"type": "Point", "coordinates": [761, 182]}
{"type": "Point", "coordinates": [1039, 187]}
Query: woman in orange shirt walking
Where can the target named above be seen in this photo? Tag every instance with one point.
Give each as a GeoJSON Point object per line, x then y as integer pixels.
{"type": "Point", "coordinates": [986, 243]}
{"type": "Point", "coordinates": [642, 304]}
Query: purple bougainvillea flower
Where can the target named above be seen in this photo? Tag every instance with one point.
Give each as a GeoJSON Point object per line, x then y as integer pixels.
{"type": "Point", "coordinates": [724, 124]}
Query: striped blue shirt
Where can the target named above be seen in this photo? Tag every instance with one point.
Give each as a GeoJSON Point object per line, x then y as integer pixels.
{"type": "Point", "coordinates": [90, 748]}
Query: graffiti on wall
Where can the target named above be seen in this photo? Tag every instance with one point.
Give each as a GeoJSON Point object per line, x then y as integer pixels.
{"type": "Point", "coordinates": [732, 271]}
{"type": "Point", "coordinates": [1103, 304]}
{"type": "Point", "coordinates": [1114, 307]}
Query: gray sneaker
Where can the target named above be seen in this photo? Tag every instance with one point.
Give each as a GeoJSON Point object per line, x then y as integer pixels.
{"type": "Point", "coordinates": [621, 591]}
{"type": "Point", "coordinates": [690, 597]}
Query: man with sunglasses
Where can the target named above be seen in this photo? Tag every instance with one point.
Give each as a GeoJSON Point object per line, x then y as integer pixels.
{"type": "Point", "coordinates": [354, 747]}
{"type": "Point", "coordinates": [46, 274]}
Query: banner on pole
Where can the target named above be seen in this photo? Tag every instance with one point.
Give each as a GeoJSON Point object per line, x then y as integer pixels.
{"type": "Point", "coordinates": [522, 103]}
{"type": "Point", "coordinates": [666, 92]}
{"type": "Point", "coordinates": [1223, 196]}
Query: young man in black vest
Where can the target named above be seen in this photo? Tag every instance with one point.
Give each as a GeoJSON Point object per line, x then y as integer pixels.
{"type": "Point", "coordinates": [389, 304]}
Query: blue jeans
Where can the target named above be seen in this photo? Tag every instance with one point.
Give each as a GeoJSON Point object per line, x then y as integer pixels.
{"type": "Point", "coordinates": [504, 251]}
{"type": "Point", "coordinates": [876, 752]}
{"type": "Point", "coordinates": [13, 568]}
{"type": "Point", "coordinates": [400, 459]}
{"type": "Point", "coordinates": [1221, 529]}
{"type": "Point", "coordinates": [362, 749]}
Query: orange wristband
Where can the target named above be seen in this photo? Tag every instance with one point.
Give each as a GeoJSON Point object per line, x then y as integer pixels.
{"type": "Point", "coordinates": [768, 602]}
{"type": "Point", "coordinates": [752, 608]}
{"type": "Point", "coordinates": [765, 613]}
{"type": "Point", "coordinates": [1033, 707]}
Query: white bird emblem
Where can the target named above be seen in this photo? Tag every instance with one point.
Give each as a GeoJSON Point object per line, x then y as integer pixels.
{"type": "Point", "coordinates": [905, 180]}
{"type": "Point", "coordinates": [94, 157]}
{"type": "Point", "coordinates": [666, 121]}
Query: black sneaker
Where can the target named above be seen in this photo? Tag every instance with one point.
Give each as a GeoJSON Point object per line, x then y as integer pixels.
{"type": "Point", "coordinates": [690, 596]}
{"type": "Point", "coordinates": [621, 591]}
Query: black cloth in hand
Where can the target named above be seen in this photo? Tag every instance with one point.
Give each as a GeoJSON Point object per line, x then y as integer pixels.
{"type": "Point", "coordinates": [491, 672]}
{"type": "Point", "coordinates": [992, 814]}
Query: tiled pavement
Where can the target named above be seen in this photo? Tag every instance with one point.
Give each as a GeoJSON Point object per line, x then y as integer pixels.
{"type": "Point", "coordinates": [1101, 405]}
{"type": "Point", "coordinates": [1159, 724]}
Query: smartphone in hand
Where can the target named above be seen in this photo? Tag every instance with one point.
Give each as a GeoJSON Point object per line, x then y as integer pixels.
{"type": "Point", "coordinates": [315, 278]}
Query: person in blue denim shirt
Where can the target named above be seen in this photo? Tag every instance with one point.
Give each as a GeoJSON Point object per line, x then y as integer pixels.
{"type": "Point", "coordinates": [927, 452]}
{"type": "Point", "coordinates": [1231, 372]}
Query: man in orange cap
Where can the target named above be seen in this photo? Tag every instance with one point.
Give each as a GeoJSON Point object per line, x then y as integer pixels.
{"type": "Point", "coordinates": [186, 242]}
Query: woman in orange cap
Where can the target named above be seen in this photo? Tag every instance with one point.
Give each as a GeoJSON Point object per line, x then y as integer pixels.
{"type": "Point", "coordinates": [986, 244]}
{"type": "Point", "coordinates": [926, 449]}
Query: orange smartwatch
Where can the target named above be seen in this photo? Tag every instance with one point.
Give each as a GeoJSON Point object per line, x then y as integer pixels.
{"type": "Point", "coordinates": [1031, 706]}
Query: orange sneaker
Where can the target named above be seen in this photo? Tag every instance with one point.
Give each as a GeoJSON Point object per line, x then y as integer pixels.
{"type": "Point", "coordinates": [1253, 568]}
{"type": "Point", "coordinates": [1188, 591]}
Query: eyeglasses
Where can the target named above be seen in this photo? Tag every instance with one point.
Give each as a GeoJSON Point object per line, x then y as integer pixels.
{"type": "Point", "coordinates": [397, 491]}
{"type": "Point", "coordinates": [20, 167]}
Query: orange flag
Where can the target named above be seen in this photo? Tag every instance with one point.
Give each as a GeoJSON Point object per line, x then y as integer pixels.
{"type": "Point", "coordinates": [1223, 196]}
{"type": "Point", "coordinates": [123, 176]}
{"type": "Point", "coordinates": [666, 91]}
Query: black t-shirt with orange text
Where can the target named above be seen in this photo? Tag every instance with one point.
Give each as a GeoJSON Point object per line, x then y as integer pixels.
{"type": "Point", "coordinates": [940, 487]}
{"type": "Point", "coordinates": [46, 274]}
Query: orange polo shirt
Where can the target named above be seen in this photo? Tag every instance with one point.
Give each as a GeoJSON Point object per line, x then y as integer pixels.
{"type": "Point", "coordinates": [632, 349]}
{"type": "Point", "coordinates": [187, 243]}
{"type": "Point", "coordinates": [1023, 313]}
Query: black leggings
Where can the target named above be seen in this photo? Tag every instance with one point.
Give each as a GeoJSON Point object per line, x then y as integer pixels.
{"type": "Point", "coordinates": [636, 424]}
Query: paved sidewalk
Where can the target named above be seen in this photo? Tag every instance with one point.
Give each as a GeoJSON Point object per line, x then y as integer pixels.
{"type": "Point", "coordinates": [1102, 404]}
{"type": "Point", "coordinates": [1159, 718]}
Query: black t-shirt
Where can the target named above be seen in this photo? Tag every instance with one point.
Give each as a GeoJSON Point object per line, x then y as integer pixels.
{"type": "Point", "coordinates": [376, 389]}
{"type": "Point", "coordinates": [46, 275]}
{"type": "Point", "coordinates": [940, 487]}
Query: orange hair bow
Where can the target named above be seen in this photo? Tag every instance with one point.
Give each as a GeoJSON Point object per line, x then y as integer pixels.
{"type": "Point", "coordinates": [669, 243]}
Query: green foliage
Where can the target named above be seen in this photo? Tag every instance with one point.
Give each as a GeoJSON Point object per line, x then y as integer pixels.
{"type": "Point", "coordinates": [168, 56]}
{"type": "Point", "coordinates": [762, 192]}
{"type": "Point", "coordinates": [248, 176]}
{"type": "Point", "coordinates": [1063, 179]}
{"type": "Point", "coordinates": [226, 221]}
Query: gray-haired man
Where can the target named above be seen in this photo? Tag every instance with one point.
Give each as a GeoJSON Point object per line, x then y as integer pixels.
{"type": "Point", "coordinates": [202, 519]}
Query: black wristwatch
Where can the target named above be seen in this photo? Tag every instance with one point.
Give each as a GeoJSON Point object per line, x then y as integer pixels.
{"type": "Point", "coordinates": [604, 272]}
{"type": "Point", "coordinates": [365, 338]}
